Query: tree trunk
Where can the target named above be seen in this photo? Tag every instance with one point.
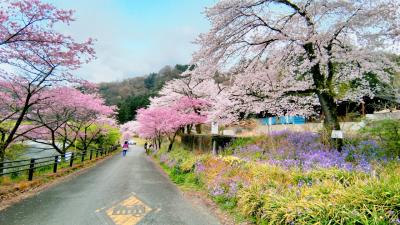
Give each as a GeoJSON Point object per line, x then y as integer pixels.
{"type": "Point", "coordinates": [2, 157]}
{"type": "Point", "coordinates": [158, 145]}
{"type": "Point", "coordinates": [362, 108]}
{"type": "Point", "coordinates": [171, 141]}
{"type": "Point", "coordinates": [198, 128]}
{"type": "Point", "coordinates": [331, 121]}
{"type": "Point", "coordinates": [18, 122]}
{"type": "Point", "coordinates": [323, 86]}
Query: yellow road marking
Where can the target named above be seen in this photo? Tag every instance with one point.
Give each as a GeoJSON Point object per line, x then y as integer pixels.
{"type": "Point", "coordinates": [128, 212]}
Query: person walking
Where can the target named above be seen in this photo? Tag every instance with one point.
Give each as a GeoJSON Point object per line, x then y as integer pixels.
{"type": "Point", "coordinates": [125, 147]}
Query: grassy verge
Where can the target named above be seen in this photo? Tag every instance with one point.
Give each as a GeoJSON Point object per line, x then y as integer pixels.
{"type": "Point", "coordinates": [182, 171]}
{"type": "Point", "coordinates": [262, 192]}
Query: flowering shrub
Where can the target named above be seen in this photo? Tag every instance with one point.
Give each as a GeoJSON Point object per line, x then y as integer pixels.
{"type": "Point", "coordinates": [305, 151]}
{"type": "Point", "coordinates": [292, 178]}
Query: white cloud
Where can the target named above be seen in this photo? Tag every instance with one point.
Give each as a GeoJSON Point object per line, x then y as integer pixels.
{"type": "Point", "coordinates": [126, 48]}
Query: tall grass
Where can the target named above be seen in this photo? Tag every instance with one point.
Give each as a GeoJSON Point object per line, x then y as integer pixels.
{"type": "Point", "coordinates": [250, 183]}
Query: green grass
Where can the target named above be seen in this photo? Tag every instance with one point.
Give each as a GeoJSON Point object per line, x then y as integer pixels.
{"type": "Point", "coordinates": [272, 195]}
{"type": "Point", "coordinates": [185, 180]}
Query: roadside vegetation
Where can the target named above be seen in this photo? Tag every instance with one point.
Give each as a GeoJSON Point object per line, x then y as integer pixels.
{"type": "Point", "coordinates": [294, 178]}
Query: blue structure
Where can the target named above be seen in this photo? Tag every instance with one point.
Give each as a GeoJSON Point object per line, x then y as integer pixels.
{"type": "Point", "coordinates": [269, 121]}
{"type": "Point", "coordinates": [283, 120]}
{"type": "Point", "coordinates": [299, 120]}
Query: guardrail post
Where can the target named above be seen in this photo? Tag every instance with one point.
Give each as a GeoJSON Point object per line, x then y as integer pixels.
{"type": "Point", "coordinates": [101, 152]}
{"type": "Point", "coordinates": [91, 154]}
{"type": "Point", "coordinates": [31, 169]}
{"type": "Point", "coordinates": [1, 167]}
{"type": "Point", "coordinates": [72, 160]}
{"type": "Point", "coordinates": [97, 153]}
{"type": "Point", "coordinates": [83, 156]}
{"type": "Point", "coordinates": [55, 164]}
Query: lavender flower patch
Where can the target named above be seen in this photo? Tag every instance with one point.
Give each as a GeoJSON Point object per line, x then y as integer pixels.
{"type": "Point", "coordinates": [199, 167]}
{"type": "Point", "coordinates": [224, 187]}
{"type": "Point", "coordinates": [216, 191]}
{"type": "Point", "coordinates": [303, 150]}
{"type": "Point", "coordinates": [164, 158]}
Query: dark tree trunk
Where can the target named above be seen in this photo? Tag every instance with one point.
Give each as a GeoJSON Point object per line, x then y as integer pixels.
{"type": "Point", "coordinates": [171, 141]}
{"type": "Point", "coordinates": [323, 86]}
{"type": "Point", "coordinates": [170, 146]}
{"type": "Point", "coordinates": [2, 158]}
{"type": "Point", "coordinates": [158, 142]}
{"type": "Point", "coordinates": [189, 129]}
{"type": "Point", "coordinates": [10, 137]}
{"type": "Point", "coordinates": [331, 121]}
{"type": "Point", "coordinates": [198, 128]}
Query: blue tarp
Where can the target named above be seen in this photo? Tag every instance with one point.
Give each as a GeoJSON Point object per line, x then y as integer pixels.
{"type": "Point", "coordinates": [299, 120]}
{"type": "Point", "coordinates": [266, 121]}
{"type": "Point", "coordinates": [283, 120]}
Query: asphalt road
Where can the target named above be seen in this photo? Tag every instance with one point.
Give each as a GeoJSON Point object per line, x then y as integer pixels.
{"type": "Point", "coordinates": [120, 191]}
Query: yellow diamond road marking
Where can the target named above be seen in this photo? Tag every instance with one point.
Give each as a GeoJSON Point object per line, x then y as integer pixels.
{"type": "Point", "coordinates": [128, 212]}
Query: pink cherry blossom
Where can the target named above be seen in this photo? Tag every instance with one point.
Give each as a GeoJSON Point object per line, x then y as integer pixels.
{"type": "Point", "coordinates": [286, 57]}
{"type": "Point", "coordinates": [34, 56]}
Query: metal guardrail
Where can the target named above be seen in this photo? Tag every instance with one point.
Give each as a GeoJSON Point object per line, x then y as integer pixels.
{"type": "Point", "coordinates": [30, 165]}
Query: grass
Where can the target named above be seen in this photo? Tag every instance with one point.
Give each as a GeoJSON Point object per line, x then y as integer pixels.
{"type": "Point", "coordinates": [185, 177]}
{"type": "Point", "coordinates": [269, 194]}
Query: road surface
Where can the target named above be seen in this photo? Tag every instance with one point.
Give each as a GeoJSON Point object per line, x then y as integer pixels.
{"type": "Point", "coordinates": [120, 191]}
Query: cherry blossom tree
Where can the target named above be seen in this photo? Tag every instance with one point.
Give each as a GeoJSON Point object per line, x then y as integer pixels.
{"type": "Point", "coordinates": [128, 130]}
{"type": "Point", "coordinates": [189, 93]}
{"type": "Point", "coordinates": [305, 51]}
{"type": "Point", "coordinates": [92, 119]}
{"type": "Point", "coordinates": [156, 122]}
{"type": "Point", "coordinates": [58, 118]}
{"type": "Point", "coordinates": [92, 131]}
{"type": "Point", "coordinates": [33, 57]}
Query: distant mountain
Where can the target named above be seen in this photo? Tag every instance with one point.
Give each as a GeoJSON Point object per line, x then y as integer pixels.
{"type": "Point", "coordinates": [134, 93]}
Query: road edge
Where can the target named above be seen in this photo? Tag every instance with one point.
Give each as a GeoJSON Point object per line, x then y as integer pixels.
{"type": "Point", "coordinates": [197, 198]}
{"type": "Point", "coordinates": [19, 196]}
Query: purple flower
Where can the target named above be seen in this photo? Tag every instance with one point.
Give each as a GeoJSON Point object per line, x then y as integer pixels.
{"type": "Point", "coordinates": [199, 167]}
{"type": "Point", "coordinates": [164, 158]}
{"type": "Point", "coordinates": [395, 221]}
{"type": "Point", "coordinates": [217, 191]}
{"type": "Point", "coordinates": [233, 188]}
{"type": "Point", "coordinates": [305, 151]}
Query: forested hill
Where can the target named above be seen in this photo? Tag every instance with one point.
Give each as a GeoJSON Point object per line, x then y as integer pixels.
{"type": "Point", "coordinates": [134, 93]}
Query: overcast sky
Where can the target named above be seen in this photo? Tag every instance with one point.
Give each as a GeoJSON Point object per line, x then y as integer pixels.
{"type": "Point", "coordinates": [135, 37]}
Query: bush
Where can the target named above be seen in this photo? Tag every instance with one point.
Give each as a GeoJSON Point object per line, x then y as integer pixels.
{"type": "Point", "coordinates": [321, 199]}
{"type": "Point", "coordinates": [15, 150]}
{"type": "Point", "coordinates": [387, 132]}
{"type": "Point", "coordinates": [293, 178]}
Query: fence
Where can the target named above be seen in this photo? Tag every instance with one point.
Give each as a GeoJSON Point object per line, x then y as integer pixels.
{"type": "Point", "coordinates": [14, 168]}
